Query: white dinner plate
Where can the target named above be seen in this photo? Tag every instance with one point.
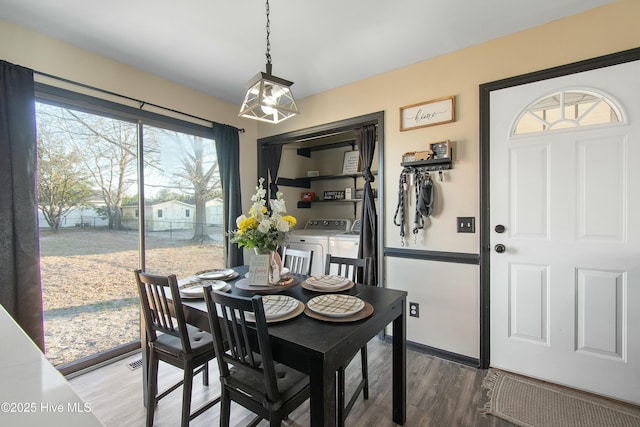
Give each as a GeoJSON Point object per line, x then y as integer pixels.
{"type": "Point", "coordinates": [194, 289]}
{"type": "Point", "coordinates": [217, 274]}
{"type": "Point", "coordinates": [335, 305]}
{"type": "Point", "coordinates": [327, 282]}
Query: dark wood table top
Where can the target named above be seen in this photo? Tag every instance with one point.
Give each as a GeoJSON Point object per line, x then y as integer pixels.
{"type": "Point", "coordinates": [319, 348]}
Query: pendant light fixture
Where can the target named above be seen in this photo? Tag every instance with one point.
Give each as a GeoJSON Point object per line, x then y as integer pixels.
{"type": "Point", "coordinates": [268, 98]}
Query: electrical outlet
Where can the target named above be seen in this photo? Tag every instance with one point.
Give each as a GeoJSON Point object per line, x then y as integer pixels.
{"type": "Point", "coordinates": [414, 309]}
{"type": "Point", "coordinates": [466, 224]}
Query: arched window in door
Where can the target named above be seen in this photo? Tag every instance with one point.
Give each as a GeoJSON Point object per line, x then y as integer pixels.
{"type": "Point", "coordinates": [567, 109]}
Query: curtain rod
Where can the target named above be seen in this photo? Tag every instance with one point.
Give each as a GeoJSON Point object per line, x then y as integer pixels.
{"type": "Point", "coordinates": [142, 103]}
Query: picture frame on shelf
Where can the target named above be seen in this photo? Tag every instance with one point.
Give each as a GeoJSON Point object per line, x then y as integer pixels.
{"type": "Point", "coordinates": [351, 163]}
{"type": "Point", "coordinates": [430, 113]}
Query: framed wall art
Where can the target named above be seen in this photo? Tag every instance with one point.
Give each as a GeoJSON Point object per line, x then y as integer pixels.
{"type": "Point", "coordinates": [430, 113]}
{"type": "Point", "coordinates": [351, 163]}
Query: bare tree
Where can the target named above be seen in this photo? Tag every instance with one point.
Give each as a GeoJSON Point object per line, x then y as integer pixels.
{"type": "Point", "coordinates": [62, 185]}
{"type": "Point", "coordinates": [108, 150]}
{"type": "Point", "coordinates": [198, 176]}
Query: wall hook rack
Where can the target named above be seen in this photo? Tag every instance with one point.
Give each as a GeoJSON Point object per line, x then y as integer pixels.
{"type": "Point", "coordinates": [431, 165]}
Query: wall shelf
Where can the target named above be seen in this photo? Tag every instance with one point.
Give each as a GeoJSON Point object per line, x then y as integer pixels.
{"type": "Point", "coordinates": [295, 182]}
{"type": "Point", "coordinates": [305, 205]}
{"type": "Point", "coordinates": [306, 181]}
{"type": "Point", "coordinates": [430, 165]}
{"type": "Point", "coordinates": [306, 151]}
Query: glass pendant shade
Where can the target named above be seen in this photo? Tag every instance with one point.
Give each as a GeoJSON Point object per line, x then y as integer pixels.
{"type": "Point", "coordinates": [268, 99]}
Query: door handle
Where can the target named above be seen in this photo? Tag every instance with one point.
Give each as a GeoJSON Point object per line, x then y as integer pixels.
{"type": "Point", "coordinates": [500, 248]}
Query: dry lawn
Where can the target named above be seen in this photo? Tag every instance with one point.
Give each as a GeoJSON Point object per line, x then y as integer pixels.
{"type": "Point", "coordinates": [89, 295]}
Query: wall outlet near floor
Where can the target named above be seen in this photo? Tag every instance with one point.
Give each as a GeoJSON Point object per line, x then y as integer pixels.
{"type": "Point", "coordinates": [466, 224]}
{"type": "Point", "coordinates": [414, 309]}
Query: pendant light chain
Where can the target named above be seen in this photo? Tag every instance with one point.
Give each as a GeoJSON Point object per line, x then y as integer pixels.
{"type": "Point", "coordinates": [268, 98]}
{"type": "Point", "coordinates": [268, 33]}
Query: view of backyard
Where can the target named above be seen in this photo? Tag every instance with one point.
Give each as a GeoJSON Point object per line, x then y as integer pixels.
{"type": "Point", "coordinates": [91, 205]}
{"type": "Point", "coordinates": [89, 295]}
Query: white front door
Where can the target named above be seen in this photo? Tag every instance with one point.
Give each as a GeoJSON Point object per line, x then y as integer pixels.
{"type": "Point", "coordinates": [565, 293]}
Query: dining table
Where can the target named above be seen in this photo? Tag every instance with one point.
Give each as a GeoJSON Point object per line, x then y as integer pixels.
{"type": "Point", "coordinates": [319, 347]}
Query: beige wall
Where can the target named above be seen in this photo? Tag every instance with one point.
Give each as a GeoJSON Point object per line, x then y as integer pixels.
{"type": "Point", "coordinates": [50, 56]}
{"type": "Point", "coordinates": [448, 294]}
{"type": "Point", "coordinates": [452, 288]}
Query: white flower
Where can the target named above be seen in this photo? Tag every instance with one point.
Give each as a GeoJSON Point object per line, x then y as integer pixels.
{"type": "Point", "coordinates": [282, 225]}
{"type": "Point", "coordinates": [264, 226]}
{"type": "Point", "coordinates": [278, 206]}
{"type": "Point", "coordinates": [240, 219]}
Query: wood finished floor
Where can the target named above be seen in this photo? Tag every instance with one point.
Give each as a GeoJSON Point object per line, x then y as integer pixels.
{"type": "Point", "coordinates": [439, 393]}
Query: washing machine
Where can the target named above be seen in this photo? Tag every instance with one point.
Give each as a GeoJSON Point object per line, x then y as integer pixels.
{"type": "Point", "coordinates": [315, 236]}
{"type": "Point", "coordinates": [345, 244]}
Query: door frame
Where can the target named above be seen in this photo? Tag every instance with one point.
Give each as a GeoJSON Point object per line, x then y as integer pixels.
{"type": "Point", "coordinates": [485, 208]}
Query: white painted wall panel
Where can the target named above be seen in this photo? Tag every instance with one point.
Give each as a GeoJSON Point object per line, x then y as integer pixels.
{"type": "Point", "coordinates": [448, 295]}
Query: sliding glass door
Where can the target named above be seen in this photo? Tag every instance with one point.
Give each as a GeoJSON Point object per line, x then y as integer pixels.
{"type": "Point", "coordinates": [90, 216]}
{"type": "Point", "coordinates": [183, 207]}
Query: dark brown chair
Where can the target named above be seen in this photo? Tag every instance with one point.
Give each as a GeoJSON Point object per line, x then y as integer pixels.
{"type": "Point", "coordinates": [357, 270]}
{"type": "Point", "coordinates": [297, 261]}
{"type": "Point", "coordinates": [248, 374]}
{"type": "Point", "coordinates": [171, 340]}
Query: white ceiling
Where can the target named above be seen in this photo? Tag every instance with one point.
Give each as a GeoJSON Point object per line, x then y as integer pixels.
{"type": "Point", "coordinates": [216, 46]}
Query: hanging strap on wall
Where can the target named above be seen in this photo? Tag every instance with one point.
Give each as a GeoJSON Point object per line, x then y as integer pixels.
{"type": "Point", "coordinates": [424, 201]}
{"type": "Point", "coordinates": [403, 186]}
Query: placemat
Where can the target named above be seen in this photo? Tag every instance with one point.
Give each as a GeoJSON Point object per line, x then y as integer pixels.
{"type": "Point", "coordinates": [271, 289]}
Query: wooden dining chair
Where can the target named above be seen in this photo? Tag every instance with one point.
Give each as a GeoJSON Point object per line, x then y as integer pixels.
{"type": "Point", "coordinates": [357, 270]}
{"type": "Point", "coordinates": [297, 261]}
{"type": "Point", "coordinates": [173, 341]}
{"type": "Point", "coordinates": [248, 374]}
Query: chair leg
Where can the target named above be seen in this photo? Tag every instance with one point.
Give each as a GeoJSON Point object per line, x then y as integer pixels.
{"type": "Point", "coordinates": [225, 408]}
{"type": "Point", "coordinates": [186, 394]}
{"type": "Point", "coordinates": [152, 387]}
{"type": "Point", "coordinates": [365, 372]}
{"type": "Point", "coordinates": [205, 375]}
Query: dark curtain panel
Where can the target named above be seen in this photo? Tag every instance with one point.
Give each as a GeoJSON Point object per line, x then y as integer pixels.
{"type": "Point", "coordinates": [366, 140]}
{"type": "Point", "coordinates": [20, 288]}
{"type": "Point", "coordinates": [228, 149]}
{"type": "Point", "coordinates": [273, 153]}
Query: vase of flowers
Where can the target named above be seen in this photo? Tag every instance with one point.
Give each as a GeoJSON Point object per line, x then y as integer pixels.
{"type": "Point", "coordinates": [264, 230]}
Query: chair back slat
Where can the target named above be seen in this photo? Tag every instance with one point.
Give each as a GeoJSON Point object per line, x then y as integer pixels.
{"type": "Point", "coordinates": [160, 315]}
{"type": "Point", "coordinates": [357, 270]}
{"type": "Point", "coordinates": [240, 341]}
{"type": "Point", "coordinates": [297, 261]}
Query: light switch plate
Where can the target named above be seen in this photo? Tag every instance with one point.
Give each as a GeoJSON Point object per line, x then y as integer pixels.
{"type": "Point", "coordinates": [466, 224]}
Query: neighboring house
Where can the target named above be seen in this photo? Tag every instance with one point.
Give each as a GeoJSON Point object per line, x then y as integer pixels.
{"type": "Point", "coordinates": [171, 215]}
{"type": "Point", "coordinates": [215, 212]}
{"type": "Point", "coordinates": [80, 217]}
{"type": "Point", "coordinates": [163, 216]}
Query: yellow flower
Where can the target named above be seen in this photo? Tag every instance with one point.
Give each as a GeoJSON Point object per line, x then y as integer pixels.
{"type": "Point", "coordinates": [291, 220]}
{"type": "Point", "coordinates": [247, 224]}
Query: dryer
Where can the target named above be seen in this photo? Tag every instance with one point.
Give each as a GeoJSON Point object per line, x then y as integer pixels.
{"type": "Point", "coordinates": [315, 236]}
{"type": "Point", "coordinates": [345, 244]}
